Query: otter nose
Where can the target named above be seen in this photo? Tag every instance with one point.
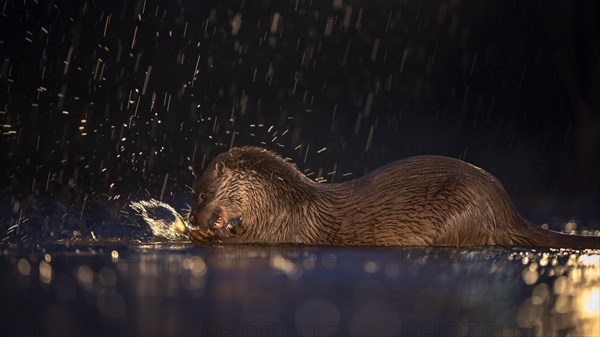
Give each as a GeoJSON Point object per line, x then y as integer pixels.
{"type": "Point", "coordinates": [192, 218]}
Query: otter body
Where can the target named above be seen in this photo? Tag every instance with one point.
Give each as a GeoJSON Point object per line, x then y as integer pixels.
{"type": "Point", "coordinates": [251, 195]}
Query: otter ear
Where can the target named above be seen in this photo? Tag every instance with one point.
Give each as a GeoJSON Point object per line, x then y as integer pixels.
{"type": "Point", "coordinates": [220, 168]}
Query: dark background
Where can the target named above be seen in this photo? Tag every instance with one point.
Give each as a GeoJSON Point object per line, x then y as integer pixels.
{"type": "Point", "coordinates": [108, 101]}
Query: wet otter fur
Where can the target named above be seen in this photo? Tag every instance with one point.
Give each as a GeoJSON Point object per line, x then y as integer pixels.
{"type": "Point", "coordinates": [251, 195]}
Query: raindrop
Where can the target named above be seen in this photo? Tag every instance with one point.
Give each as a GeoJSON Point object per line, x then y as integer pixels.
{"type": "Point", "coordinates": [23, 267]}
{"type": "Point", "coordinates": [529, 276]}
{"type": "Point", "coordinates": [540, 294]}
{"type": "Point", "coordinates": [85, 276]}
{"type": "Point", "coordinates": [45, 272]}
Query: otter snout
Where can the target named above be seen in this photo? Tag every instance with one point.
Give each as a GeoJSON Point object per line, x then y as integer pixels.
{"type": "Point", "coordinates": [213, 220]}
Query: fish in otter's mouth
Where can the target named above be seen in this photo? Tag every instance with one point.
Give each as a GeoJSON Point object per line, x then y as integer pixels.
{"type": "Point", "coordinates": [216, 226]}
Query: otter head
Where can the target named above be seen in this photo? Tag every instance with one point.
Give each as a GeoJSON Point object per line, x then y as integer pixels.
{"type": "Point", "coordinates": [219, 205]}
{"type": "Point", "coordinates": [246, 194]}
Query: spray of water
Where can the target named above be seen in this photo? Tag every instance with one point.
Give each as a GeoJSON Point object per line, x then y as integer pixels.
{"type": "Point", "coordinates": [164, 221]}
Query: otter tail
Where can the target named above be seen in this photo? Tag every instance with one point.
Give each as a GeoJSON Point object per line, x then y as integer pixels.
{"type": "Point", "coordinates": [538, 237]}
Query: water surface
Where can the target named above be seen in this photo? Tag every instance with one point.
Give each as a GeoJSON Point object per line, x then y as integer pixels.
{"type": "Point", "coordinates": [186, 289]}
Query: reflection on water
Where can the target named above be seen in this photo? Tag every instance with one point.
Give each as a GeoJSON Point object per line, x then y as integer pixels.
{"type": "Point", "coordinates": [569, 295]}
{"type": "Point", "coordinates": [161, 289]}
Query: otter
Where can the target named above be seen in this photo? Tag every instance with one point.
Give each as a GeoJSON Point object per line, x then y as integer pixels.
{"type": "Point", "coordinates": [252, 195]}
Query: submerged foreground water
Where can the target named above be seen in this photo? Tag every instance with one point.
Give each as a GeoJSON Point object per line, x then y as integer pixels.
{"type": "Point", "coordinates": [99, 288]}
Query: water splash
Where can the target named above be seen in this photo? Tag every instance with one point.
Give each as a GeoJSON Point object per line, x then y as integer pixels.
{"type": "Point", "coordinates": [164, 221]}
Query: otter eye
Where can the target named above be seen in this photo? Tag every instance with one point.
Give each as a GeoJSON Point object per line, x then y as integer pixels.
{"type": "Point", "coordinates": [204, 195]}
